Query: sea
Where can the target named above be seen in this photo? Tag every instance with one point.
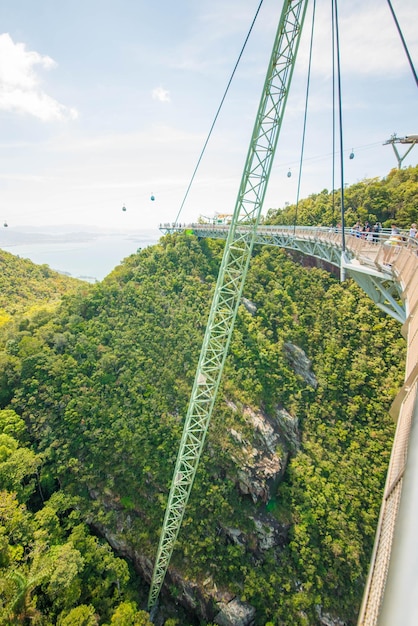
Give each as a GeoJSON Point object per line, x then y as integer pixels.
{"type": "Point", "coordinates": [87, 253]}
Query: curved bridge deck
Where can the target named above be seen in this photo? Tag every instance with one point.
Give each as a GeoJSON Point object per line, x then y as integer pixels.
{"type": "Point", "coordinates": [374, 265]}
{"type": "Point", "coordinates": [388, 274]}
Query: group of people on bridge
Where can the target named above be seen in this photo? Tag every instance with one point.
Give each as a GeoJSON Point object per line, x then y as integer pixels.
{"type": "Point", "coordinates": [373, 232]}
{"type": "Point", "coordinates": [367, 230]}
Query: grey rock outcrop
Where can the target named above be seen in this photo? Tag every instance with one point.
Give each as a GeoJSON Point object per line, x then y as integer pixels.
{"type": "Point", "coordinates": [327, 620]}
{"type": "Point", "coordinates": [262, 457]}
{"type": "Point", "coordinates": [266, 534]}
{"type": "Point", "coordinates": [250, 306]}
{"type": "Point", "coordinates": [235, 613]}
{"type": "Point", "coordinates": [289, 428]}
{"type": "Point", "coordinates": [300, 363]}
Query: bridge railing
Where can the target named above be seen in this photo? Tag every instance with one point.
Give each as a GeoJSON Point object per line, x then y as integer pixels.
{"type": "Point", "coordinates": [373, 248]}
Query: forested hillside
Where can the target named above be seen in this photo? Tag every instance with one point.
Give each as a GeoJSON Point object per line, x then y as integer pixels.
{"type": "Point", "coordinates": [24, 284]}
{"type": "Point", "coordinates": [283, 512]}
{"type": "Point", "coordinates": [393, 198]}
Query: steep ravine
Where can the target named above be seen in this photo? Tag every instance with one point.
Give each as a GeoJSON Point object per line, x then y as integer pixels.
{"type": "Point", "coordinates": [259, 467]}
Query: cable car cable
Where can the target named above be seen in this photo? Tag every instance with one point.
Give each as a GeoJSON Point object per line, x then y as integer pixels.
{"type": "Point", "coordinates": [217, 113]}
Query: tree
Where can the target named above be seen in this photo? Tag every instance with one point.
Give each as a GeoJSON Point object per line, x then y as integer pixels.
{"type": "Point", "coordinates": [64, 583]}
{"type": "Point", "coordinates": [18, 466]}
{"type": "Point", "coordinates": [127, 614]}
{"type": "Point", "coordinates": [9, 376]}
{"type": "Point", "coordinates": [11, 424]}
{"type": "Point", "coordinates": [22, 604]}
{"type": "Point", "coordinates": [83, 615]}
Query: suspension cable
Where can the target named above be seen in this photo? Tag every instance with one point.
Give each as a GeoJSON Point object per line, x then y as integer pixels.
{"type": "Point", "coordinates": [217, 112]}
{"type": "Point", "coordinates": [340, 115]}
{"type": "Point", "coordinates": [305, 115]}
{"type": "Point", "coordinates": [333, 118]}
{"type": "Point", "coordinates": [414, 73]}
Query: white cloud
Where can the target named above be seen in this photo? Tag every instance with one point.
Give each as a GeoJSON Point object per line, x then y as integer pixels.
{"type": "Point", "coordinates": [161, 94]}
{"type": "Point", "coordinates": [20, 89]}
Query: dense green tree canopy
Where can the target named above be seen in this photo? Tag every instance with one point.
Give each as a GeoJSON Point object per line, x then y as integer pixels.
{"type": "Point", "coordinates": [93, 396]}
{"type": "Point", "coordinates": [393, 198]}
{"type": "Point", "coordinates": [25, 285]}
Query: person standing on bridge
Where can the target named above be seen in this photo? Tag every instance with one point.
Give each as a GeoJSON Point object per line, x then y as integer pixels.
{"type": "Point", "coordinates": [392, 244]}
{"type": "Point", "coordinates": [356, 229]}
{"type": "Point", "coordinates": [376, 230]}
{"type": "Point", "coordinates": [413, 231]}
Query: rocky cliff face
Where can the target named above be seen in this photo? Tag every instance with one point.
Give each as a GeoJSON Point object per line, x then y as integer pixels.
{"type": "Point", "coordinates": [260, 451]}
{"type": "Point", "coordinates": [262, 460]}
{"type": "Point", "coordinates": [206, 600]}
{"type": "Point", "coordinates": [259, 466]}
{"type": "Point", "coordinates": [300, 363]}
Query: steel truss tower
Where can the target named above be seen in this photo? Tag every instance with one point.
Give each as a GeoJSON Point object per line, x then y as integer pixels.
{"type": "Point", "coordinates": [231, 278]}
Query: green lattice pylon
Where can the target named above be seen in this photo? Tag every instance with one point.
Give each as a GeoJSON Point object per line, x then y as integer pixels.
{"type": "Point", "coordinates": [231, 278]}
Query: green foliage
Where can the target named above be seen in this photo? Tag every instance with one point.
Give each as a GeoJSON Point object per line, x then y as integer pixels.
{"type": "Point", "coordinates": [83, 615]}
{"type": "Point", "coordinates": [51, 565]}
{"type": "Point", "coordinates": [394, 198]}
{"type": "Point", "coordinates": [103, 384]}
{"type": "Point", "coordinates": [25, 286]}
{"type": "Point", "coordinates": [9, 376]}
{"type": "Point", "coordinates": [11, 424]}
{"type": "Point", "coordinates": [127, 614]}
{"type": "Point", "coordinates": [18, 466]}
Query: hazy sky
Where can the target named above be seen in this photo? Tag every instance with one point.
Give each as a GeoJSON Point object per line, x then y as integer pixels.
{"type": "Point", "coordinates": [104, 103]}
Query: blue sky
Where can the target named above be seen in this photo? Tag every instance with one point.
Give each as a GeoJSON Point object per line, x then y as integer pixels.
{"type": "Point", "coordinates": [104, 103]}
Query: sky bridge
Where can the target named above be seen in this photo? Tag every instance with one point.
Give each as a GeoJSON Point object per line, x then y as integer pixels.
{"type": "Point", "coordinates": [372, 263]}
{"type": "Point", "coordinates": [387, 272]}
